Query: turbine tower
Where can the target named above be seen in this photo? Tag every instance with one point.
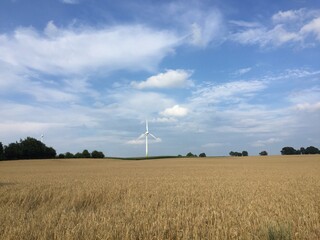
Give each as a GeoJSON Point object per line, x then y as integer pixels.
{"type": "Point", "coordinates": [41, 137]}
{"type": "Point", "coordinates": [146, 134]}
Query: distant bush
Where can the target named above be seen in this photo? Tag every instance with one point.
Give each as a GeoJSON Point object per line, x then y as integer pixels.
{"type": "Point", "coordinates": [245, 153]}
{"type": "Point", "coordinates": [97, 154]}
{"type": "Point", "coordinates": [61, 155]}
{"type": "Point", "coordinates": [263, 153]}
{"type": "Point", "coordinates": [202, 155]}
{"type": "Point", "coordinates": [238, 154]}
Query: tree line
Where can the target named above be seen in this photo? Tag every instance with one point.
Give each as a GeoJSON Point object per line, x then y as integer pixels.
{"type": "Point", "coordinates": [190, 154]}
{"type": "Point", "coordinates": [84, 154]}
{"type": "Point", "coordinates": [284, 151]}
{"type": "Point", "coordinates": [31, 148]}
{"type": "Point", "coordinates": [302, 150]}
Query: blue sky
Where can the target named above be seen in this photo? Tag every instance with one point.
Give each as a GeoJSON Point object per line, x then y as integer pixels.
{"type": "Point", "coordinates": [210, 76]}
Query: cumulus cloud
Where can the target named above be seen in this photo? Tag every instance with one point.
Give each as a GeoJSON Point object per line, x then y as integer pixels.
{"type": "Point", "coordinates": [75, 50]}
{"type": "Point", "coordinates": [175, 111]}
{"type": "Point", "coordinates": [169, 79]}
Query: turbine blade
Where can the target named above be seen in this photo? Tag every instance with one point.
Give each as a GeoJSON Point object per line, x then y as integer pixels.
{"type": "Point", "coordinates": [141, 136]}
{"type": "Point", "coordinates": [147, 129]}
{"type": "Point", "coordinates": [153, 136]}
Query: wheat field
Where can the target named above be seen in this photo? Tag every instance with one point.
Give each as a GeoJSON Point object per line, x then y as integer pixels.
{"type": "Point", "coordinates": [274, 197]}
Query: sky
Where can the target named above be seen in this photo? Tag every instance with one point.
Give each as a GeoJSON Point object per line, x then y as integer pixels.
{"type": "Point", "coordinates": [209, 76]}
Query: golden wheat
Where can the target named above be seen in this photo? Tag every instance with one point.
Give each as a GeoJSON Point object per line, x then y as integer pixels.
{"type": "Point", "coordinates": [202, 198]}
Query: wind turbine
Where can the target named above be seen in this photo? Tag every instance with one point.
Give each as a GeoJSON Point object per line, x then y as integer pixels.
{"type": "Point", "coordinates": [146, 134]}
{"type": "Point", "coordinates": [41, 137]}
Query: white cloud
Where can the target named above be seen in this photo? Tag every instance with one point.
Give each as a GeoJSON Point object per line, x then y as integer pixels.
{"type": "Point", "coordinates": [312, 27]}
{"type": "Point", "coordinates": [245, 24]}
{"type": "Point", "coordinates": [227, 92]}
{"type": "Point", "coordinates": [243, 71]}
{"type": "Point", "coordinates": [164, 120]}
{"type": "Point", "coordinates": [305, 96]}
{"type": "Point", "coordinates": [169, 79]}
{"type": "Point", "coordinates": [132, 104]}
{"type": "Point", "coordinates": [175, 111]}
{"type": "Point", "coordinates": [262, 143]}
{"type": "Point", "coordinates": [308, 107]}
{"type": "Point", "coordinates": [306, 99]}
{"type": "Point", "coordinates": [207, 28]}
{"type": "Point", "coordinates": [201, 25]}
{"type": "Point", "coordinates": [213, 145]}
{"type": "Point", "coordinates": [289, 27]}
{"type": "Point", "coordinates": [70, 1]}
{"type": "Point", "coordinates": [15, 80]}
{"type": "Point", "coordinates": [143, 141]}
{"type": "Point", "coordinates": [290, 15]}
{"type": "Point", "coordinates": [75, 50]}
{"type": "Point", "coordinates": [263, 37]}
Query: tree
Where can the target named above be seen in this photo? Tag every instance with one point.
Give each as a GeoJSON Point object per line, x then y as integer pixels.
{"type": "Point", "coordinates": [235, 154]}
{"type": "Point", "coordinates": [12, 151]}
{"type": "Point", "coordinates": [78, 155]}
{"type": "Point", "coordinates": [50, 152]}
{"type": "Point", "coordinates": [190, 154]}
{"type": "Point", "coordinates": [202, 155]}
{"type": "Point", "coordinates": [69, 155]}
{"type": "Point", "coordinates": [302, 150]}
{"type": "Point", "coordinates": [97, 154]}
{"type": "Point", "coordinates": [29, 148]}
{"type": "Point", "coordinates": [61, 155]}
{"type": "Point", "coordinates": [263, 153]}
{"type": "Point", "coordinates": [1, 151]}
{"type": "Point", "coordinates": [245, 153]}
{"type": "Point", "coordinates": [86, 154]}
{"type": "Point", "coordinates": [32, 148]}
{"type": "Point", "coordinates": [288, 151]}
{"type": "Point", "coordinates": [312, 150]}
